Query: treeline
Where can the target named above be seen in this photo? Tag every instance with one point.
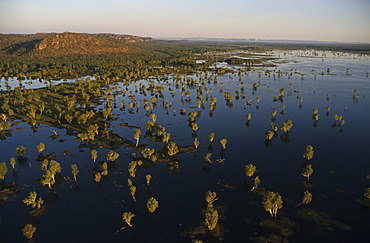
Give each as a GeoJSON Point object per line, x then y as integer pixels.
{"type": "Point", "coordinates": [78, 65]}
{"type": "Point", "coordinates": [147, 55]}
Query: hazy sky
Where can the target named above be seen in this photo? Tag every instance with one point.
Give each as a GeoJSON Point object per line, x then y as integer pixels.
{"type": "Point", "coordinates": [327, 20]}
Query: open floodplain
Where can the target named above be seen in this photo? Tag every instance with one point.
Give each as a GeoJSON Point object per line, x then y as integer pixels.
{"type": "Point", "coordinates": [228, 154]}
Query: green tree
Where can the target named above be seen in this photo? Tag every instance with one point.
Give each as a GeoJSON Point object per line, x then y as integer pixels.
{"type": "Point", "coordinates": [272, 202]}
{"type": "Point", "coordinates": [282, 108]}
{"type": "Point", "coordinates": [250, 170]}
{"type": "Point", "coordinates": [153, 117]}
{"type": "Point", "coordinates": [75, 171]}
{"type": "Point", "coordinates": [269, 135]}
{"type": "Point", "coordinates": [172, 148]}
{"type": "Point", "coordinates": [132, 167]}
{"type": "Point", "coordinates": [152, 204]}
{"type": "Point", "coordinates": [223, 143]}
{"type": "Point", "coordinates": [54, 168]}
{"type": "Point", "coordinates": [211, 197]}
{"type": "Point", "coordinates": [207, 157]}
{"type": "Point", "coordinates": [132, 189]}
{"type": "Point", "coordinates": [40, 147]}
{"type": "Point", "coordinates": [192, 116]}
{"type": "Point", "coordinates": [105, 169]}
{"type": "Point", "coordinates": [112, 156]}
{"type": "Point", "coordinates": [196, 143]}
{"type": "Point", "coordinates": [306, 199]}
{"type": "Point", "coordinates": [94, 155]}
{"type": "Point", "coordinates": [211, 218]}
{"type": "Point", "coordinates": [287, 125]}
{"type": "Point", "coordinates": [137, 135]}
{"type": "Point", "coordinates": [211, 137]}
{"type": "Point", "coordinates": [20, 151]}
{"type": "Point", "coordinates": [28, 230]}
{"type": "Point", "coordinates": [256, 182]}
{"type": "Point", "coordinates": [308, 152]}
{"type": "Point", "coordinates": [31, 200]}
{"type": "Point", "coordinates": [148, 178]}
{"type": "Point", "coordinates": [166, 137]}
{"type": "Point", "coordinates": [307, 171]}
{"type": "Point", "coordinates": [273, 113]}
{"type": "Point", "coordinates": [3, 170]}
{"type": "Point", "coordinates": [147, 152]}
{"type": "Point", "coordinates": [194, 126]}
{"type": "Point", "coordinates": [367, 193]}
{"type": "Point", "coordinates": [249, 116]}
{"type": "Point", "coordinates": [44, 164]}
{"type": "Point", "coordinates": [127, 217]}
{"type": "Point", "coordinates": [12, 162]}
{"type": "Point", "coordinates": [47, 179]}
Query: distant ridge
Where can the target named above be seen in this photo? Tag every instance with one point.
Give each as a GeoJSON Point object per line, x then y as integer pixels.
{"type": "Point", "coordinates": [256, 40]}
{"type": "Point", "coordinates": [67, 43]}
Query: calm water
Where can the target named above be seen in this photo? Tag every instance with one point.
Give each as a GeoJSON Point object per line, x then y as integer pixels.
{"type": "Point", "coordinates": [92, 212]}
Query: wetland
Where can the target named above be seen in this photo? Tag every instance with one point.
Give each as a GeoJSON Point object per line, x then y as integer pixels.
{"type": "Point", "coordinates": [245, 146]}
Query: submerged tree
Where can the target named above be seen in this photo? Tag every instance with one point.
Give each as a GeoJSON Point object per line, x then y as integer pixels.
{"type": "Point", "coordinates": [132, 167]}
{"type": "Point", "coordinates": [196, 143]}
{"type": "Point", "coordinates": [40, 147]}
{"type": "Point", "coordinates": [272, 202]}
{"type": "Point", "coordinates": [20, 151]}
{"type": "Point", "coordinates": [3, 170]}
{"type": "Point", "coordinates": [194, 126]}
{"type": "Point", "coordinates": [127, 217]}
{"type": "Point", "coordinates": [105, 169]}
{"type": "Point", "coordinates": [112, 156]}
{"type": "Point", "coordinates": [223, 143]}
{"type": "Point", "coordinates": [306, 199]}
{"type": "Point", "coordinates": [256, 183]}
{"type": "Point", "coordinates": [249, 116]}
{"type": "Point", "coordinates": [75, 171]}
{"type": "Point", "coordinates": [147, 152]}
{"type": "Point", "coordinates": [308, 153]}
{"type": "Point", "coordinates": [28, 230]}
{"type": "Point", "coordinates": [172, 148]}
{"type": "Point", "coordinates": [269, 135]}
{"type": "Point", "coordinates": [287, 125]}
{"type": "Point", "coordinates": [367, 193]}
{"type": "Point", "coordinates": [211, 218]}
{"type": "Point", "coordinates": [132, 189]}
{"type": "Point", "coordinates": [152, 204]}
{"type": "Point", "coordinates": [211, 197]}
{"type": "Point", "coordinates": [94, 155]}
{"type": "Point", "coordinates": [273, 113]}
{"type": "Point", "coordinates": [148, 178]}
{"type": "Point", "coordinates": [211, 137]}
{"type": "Point", "coordinates": [137, 135]}
{"type": "Point", "coordinates": [307, 171]}
{"type": "Point", "coordinates": [12, 162]}
{"type": "Point", "coordinates": [207, 157]}
{"type": "Point", "coordinates": [31, 200]}
{"type": "Point", "coordinates": [47, 179]}
{"type": "Point", "coordinates": [250, 170]}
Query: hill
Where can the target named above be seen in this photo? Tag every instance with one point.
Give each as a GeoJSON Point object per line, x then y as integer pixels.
{"type": "Point", "coordinates": [56, 44]}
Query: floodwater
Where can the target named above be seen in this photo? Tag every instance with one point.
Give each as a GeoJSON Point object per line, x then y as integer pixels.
{"type": "Point", "coordinates": [87, 211]}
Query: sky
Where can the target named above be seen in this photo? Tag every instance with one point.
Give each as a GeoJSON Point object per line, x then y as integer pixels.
{"type": "Point", "coordinates": [321, 20]}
